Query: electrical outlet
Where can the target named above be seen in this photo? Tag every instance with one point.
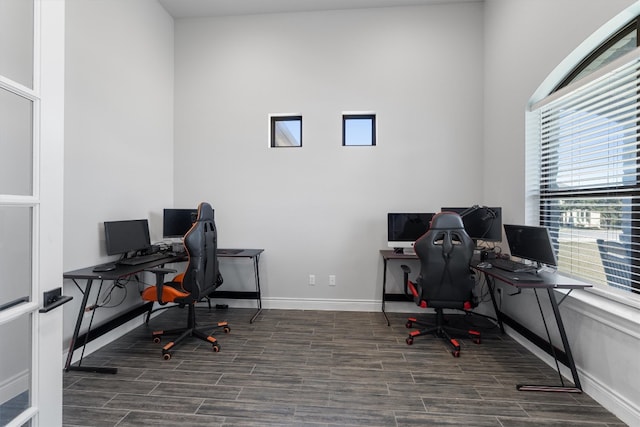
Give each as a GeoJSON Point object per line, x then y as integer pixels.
{"type": "Point", "coordinates": [312, 279]}
{"type": "Point", "coordinates": [332, 280]}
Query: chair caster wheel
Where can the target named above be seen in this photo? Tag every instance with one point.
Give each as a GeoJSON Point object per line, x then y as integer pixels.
{"type": "Point", "coordinates": [166, 356]}
{"type": "Point", "coordinates": [216, 348]}
{"type": "Point", "coordinates": [409, 340]}
{"type": "Point", "coordinates": [227, 329]}
{"type": "Point", "coordinates": [409, 324]}
{"type": "Point", "coordinates": [456, 353]}
{"type": "Point", "coordinates": [477, 341]}
{"type": "Point", "coordinates": [156, 340]}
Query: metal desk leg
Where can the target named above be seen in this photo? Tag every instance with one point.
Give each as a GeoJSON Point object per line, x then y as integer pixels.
{"type": "Point", "coordinates": [384, 289]}
{"type": "Point", "coordinates": [492, 291]}
{"type": "Point", "coordinates": [567, 350]}
{"type": "Point", "coordinates": [565, 341]}
{"type": "Point", "coordinates": [256, 271]}
{"type": "Point", "coordinates": [74, 338]}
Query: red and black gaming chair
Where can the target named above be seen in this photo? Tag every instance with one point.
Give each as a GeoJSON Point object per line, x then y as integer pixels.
{"type": "Point", "coordinates": [200, 278]}
{"type": "Point", "coordinates": [445, 280]}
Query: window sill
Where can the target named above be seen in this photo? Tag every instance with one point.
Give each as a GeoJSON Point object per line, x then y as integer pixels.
{"type": "Point", "coordinates": [605, 307]}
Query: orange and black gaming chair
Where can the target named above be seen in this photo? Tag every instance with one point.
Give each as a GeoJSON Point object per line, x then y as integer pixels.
{"type": "Point", "coordinates": [200, 278]}
{"type": "Point", "coordinates": [445, 280]}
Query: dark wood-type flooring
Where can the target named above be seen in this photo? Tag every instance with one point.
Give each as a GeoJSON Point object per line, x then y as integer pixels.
{"type": "Point", "coordinates": [319, 368]}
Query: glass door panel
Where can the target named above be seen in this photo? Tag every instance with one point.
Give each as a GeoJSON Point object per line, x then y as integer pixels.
{"type": "Point", "coordinates": [16, 41]}
{"type": "Point", "coordinates": [15, 255]}
{"type": "Point", "coordinates": [15, 369]}
{"type": "Point", "coordinates": [16, 144]}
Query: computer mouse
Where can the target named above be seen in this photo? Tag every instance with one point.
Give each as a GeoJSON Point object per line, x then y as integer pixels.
{"type": "Point", "coordinates": [104, 267]}
{"type": "Point", "coordinates": [484, 265]}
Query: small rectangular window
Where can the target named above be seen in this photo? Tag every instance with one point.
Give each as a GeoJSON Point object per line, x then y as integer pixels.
{"type": "Point", "coordinates": [358, 129]}
{"type": "Point", "coordinates": [286, 131]}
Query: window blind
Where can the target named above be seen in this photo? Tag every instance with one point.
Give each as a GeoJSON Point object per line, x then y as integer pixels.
{"type": "Point", "coordinates": [583, 156]}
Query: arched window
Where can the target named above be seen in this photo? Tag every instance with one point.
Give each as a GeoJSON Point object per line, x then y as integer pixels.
{"type": "Point", "coordinates": [583, 165]}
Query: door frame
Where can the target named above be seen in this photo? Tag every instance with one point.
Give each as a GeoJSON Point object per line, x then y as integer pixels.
{"type": "Point", "coordinates": [46, 203]}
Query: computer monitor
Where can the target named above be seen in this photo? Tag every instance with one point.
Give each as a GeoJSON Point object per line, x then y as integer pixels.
{"type": "Point", "coordinates": [176, 222]}
{"type": "Point", "coordinates": [530, 242]}
{"type": "Point", "coordinates": [126, 236]}
{"type": "Point", "coordinates": [403, 229]}
{"type": "Point", "coordinates": [481, 222]}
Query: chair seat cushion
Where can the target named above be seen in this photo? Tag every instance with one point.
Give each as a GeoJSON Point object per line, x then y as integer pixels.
{"type": "Point", "coordinates": [170, 293]}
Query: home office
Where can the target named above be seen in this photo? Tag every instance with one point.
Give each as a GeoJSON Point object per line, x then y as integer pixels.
{"type": "Point", "coordinates": [165, 110]}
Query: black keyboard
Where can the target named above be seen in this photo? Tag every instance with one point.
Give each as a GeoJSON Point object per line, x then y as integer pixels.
{"type": "Point", "coordinates": [142, 259]}
{"type": "Point", "coordinates": [511, 265]}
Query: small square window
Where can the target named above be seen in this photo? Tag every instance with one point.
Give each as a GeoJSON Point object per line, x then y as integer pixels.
{"type": "Point", "coordinates": [358, 129]}
{"type": "Point", "coordinates": [286, 131]}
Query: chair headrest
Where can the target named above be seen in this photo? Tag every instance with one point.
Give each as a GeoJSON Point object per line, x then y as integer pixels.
{"type": "Point", "coordinates": [205, 212]}
{"type": "Point", "coordinates": [446, 221]}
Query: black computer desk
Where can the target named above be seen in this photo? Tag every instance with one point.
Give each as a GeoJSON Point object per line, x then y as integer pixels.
{"type": "Point", "coordinates": [88, 275]}
{"type": "Point", "coordinates": [550, 282]}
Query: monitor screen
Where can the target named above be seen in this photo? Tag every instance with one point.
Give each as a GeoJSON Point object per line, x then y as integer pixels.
{"type": "Point", "coordinates": [403, 229]}
{"type": "Point", "coordinates": [176, 222]}
{"type": "Point", "coordinates": [126, 236]}
{"type": "Point", "coordinates": [530, 242]}
{"type": "Point", "coordinates": [481, 222]}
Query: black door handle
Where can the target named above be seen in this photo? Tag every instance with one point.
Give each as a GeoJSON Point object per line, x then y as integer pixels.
{"type": "Point", "coordinates": [14, 303]}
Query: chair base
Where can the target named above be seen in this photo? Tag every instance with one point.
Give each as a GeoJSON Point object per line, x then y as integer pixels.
{"type": "Point", "coordinates": [442, 331]}
{"type": "Point", "coordinates": [190, 331]}
{"type": "Point", "coordinates": [165, 307]}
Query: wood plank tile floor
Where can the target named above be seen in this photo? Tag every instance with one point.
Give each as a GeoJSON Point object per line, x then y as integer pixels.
{"type": "Point", "coordinates": [318, 368]}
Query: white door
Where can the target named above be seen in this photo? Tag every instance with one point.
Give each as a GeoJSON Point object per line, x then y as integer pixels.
{"type": "Point", "coordinates": [31, 157]}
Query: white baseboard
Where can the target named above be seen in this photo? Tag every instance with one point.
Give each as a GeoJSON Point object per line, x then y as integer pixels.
{"type": "Point", "coordinates": [12, 387]}
{"type": "Point", "coordinates": [606, 397]}
{"type": "Point", "coordinates": [320, 304]}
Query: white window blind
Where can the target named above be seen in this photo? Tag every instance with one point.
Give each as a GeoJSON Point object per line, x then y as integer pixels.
{"type": "Point", "coordinates": [583, 154]}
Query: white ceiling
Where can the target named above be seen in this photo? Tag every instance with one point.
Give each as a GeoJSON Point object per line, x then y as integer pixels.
{"type": "Point", "coordinates": [202, 8]}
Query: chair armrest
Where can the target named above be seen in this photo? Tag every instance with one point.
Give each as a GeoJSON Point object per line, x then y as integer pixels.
{"type": "Point", "coordinates": [413, 289]}
{"type": "Point", "coordinates": [160, 273]}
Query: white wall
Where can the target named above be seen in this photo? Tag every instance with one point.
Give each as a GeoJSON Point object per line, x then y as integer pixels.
{"type": "Point", "coordinates": [525, 42]}
{"type": "Point", "coordinates": [118, 128]}
{"type": "Point", "coordinates": [321, 209]}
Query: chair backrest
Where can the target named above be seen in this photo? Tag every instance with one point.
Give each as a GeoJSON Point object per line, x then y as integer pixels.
{"type": "Point", "coordinates": [201, 241]}
{"type": "Point", "coordinates": [445, 252]}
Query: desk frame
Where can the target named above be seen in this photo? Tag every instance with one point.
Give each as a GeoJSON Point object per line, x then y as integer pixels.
{"type": "Point", "coordinates": [387, 255]}
{"type": "Point", "coordinates": [549, 284]}
{"type": "Point", "coordinates": [254, 254]}
{"type": "Point", "coordinates": [123, 271]}
{"type": "Point", "coordinates": [89, 275]}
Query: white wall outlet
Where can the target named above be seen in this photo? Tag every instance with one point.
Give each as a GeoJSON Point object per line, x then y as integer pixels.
{"type": "Point", "coordinates": [332, 280]}
{"type": "Point", "coordinates": [312, 279]}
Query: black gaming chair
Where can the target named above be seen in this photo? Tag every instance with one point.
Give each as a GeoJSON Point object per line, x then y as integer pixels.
{"type": "Point", "coordinates": [445, 280]}
{"type": "Point", "coordinates": [200, 278]}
